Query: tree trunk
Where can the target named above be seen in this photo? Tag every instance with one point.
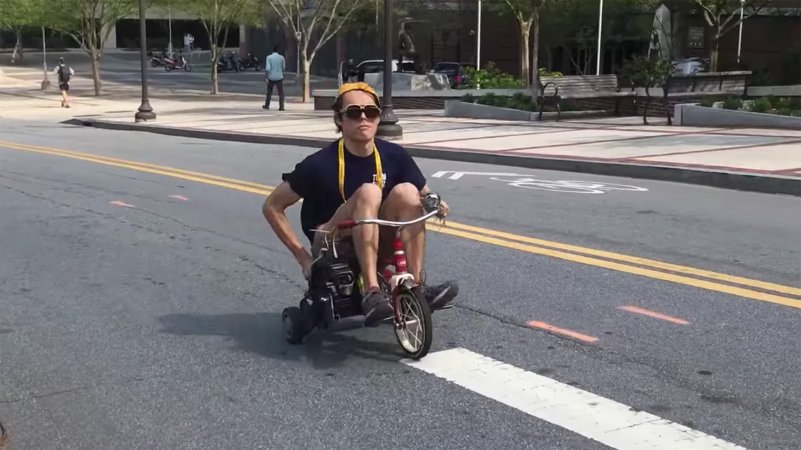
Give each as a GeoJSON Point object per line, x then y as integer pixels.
{"type": "Point", "coordinates": [306, 64]}
{"type": "Point", "coordinates": [215, 56]}
{"type": "Point", "coordinates": [17, 47]}
{"type": "Point", "coordinates": [535, 56]}
{"type": "Point", "coordinates": [93, 55]}
{"type": "Point", "coordinates": [713, 55]}
{"type": "Point", "coordinates": [525, 41]}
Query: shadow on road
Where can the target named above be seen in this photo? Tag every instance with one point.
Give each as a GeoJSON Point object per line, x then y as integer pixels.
{"type": "Point", "coordinates": [262, 334]}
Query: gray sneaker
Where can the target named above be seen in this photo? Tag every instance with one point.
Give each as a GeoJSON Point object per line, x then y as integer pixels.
{"type": "Point", "coordinates": [376, 307]}
{"type": "Point", "coordinates": [437, 296]}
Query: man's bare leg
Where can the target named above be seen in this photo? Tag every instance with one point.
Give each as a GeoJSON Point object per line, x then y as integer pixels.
{"type": "Point", "coordinates": [403, 203]}
{"type": "Point", "coordinates": [363, 204]}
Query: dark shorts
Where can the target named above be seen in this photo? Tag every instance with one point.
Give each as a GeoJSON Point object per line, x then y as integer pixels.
{"type": "Point", "coordinates": [346, 250]}
{"type": "Point", "coordinates": [64, 87]}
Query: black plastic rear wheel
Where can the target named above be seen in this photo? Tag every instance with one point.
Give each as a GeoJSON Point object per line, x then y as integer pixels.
{"type": "Point", "coordinates": [295, 327]}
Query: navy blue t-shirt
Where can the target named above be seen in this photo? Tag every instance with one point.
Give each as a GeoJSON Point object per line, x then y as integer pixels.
{"type": "Point", "coordinates": [316, 179]}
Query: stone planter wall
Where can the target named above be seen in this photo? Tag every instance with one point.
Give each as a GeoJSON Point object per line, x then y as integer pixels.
{"type": "Point", "coordinates": [704, 116]}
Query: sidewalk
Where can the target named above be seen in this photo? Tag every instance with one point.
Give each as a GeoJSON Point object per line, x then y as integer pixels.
{"type": "Point", "coordinates": [750, 159]}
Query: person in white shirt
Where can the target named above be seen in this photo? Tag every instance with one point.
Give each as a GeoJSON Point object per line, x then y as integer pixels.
{"type": "Point", "coordinates": [64, 73]}
{"type": "Point", "coordinates": [274, 66]}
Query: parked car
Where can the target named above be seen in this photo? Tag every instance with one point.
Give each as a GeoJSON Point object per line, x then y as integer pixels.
{"type": "Point", "coordinates": [377, 65]}
{"type": "Point", "coordinates": [690, 66]}
{"type": "Point", "coordinates": [455, 72]}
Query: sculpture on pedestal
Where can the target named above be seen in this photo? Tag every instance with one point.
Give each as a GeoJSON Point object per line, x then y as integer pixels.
{"type": "Point", "coordinates": [406, 48]}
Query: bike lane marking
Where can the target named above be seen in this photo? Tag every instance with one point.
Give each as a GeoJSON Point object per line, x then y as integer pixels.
{"type": "Point", "coordinates": [487, 236]}
{"type": "Point", "coordinates": [587, 339]}
{"type": "Point", "coordinates": [598, 418]}
{"type": "Point", "coordinates": [529, 182]}
{"type": "Point", "coordinates": [654, 314]}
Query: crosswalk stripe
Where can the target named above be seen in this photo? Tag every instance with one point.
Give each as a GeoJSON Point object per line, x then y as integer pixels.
{"type": "Point", "coordinates": [593, 416]}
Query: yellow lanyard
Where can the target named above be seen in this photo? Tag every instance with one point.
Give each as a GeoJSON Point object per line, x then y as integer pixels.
{"type": "Point", "coordinates": [378, 170]}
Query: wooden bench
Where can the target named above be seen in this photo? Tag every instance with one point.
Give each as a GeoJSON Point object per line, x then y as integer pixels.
{"type": "Point", "coordinates": [553, 89]}
{"type": "Point", "coordinates": [699, 85]}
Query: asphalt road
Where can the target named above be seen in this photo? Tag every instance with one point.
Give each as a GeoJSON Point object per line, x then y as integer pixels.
{"type": "Point", "coordinates": [157, 325]}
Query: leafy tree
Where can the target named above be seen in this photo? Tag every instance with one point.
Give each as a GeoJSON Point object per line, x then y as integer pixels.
{"type": "Point", "coordinates": [320, 20]}
{"type": "Point", "coordinates": [89, 23]}
{"type": "Point", "coordinates": [527, 13]}
{"type": "Point", "coordinates": [217, 17]}
{"type": "Point", "coordinates": [16, 15]}
{"type": "Point", "coordinates": [723, 16]}
{"type": "Point", "coordinates": [573, 25]}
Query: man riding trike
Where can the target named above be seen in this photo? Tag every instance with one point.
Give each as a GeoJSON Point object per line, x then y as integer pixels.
{"type": "Point", "coordinates": [365, 204]}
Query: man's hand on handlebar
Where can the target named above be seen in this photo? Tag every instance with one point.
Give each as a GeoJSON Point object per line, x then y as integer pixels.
{"type": "Point", "coordinates": [443, 209]}
{"type": "Point", "coordinates": [306, 261]}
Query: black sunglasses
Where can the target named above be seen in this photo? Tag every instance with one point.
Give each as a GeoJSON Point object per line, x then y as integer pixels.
{"type": "Point", "coordinates": [355, 112]}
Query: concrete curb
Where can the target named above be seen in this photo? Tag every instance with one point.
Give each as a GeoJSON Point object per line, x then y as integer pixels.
{"type": "Point", "coordinates": [707, 177]}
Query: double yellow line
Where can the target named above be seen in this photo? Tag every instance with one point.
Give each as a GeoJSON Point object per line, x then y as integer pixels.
{"type": "Point", "coordinates": [659, 270]}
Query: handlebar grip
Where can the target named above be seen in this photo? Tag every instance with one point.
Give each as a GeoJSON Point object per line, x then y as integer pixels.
{"type": "Point", "coordinates": [346, 224]}
{"type": "Point", "coordinates": [431, 202]}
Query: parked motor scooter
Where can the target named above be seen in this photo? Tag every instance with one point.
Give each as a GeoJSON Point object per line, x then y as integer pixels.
{"type": "Point", "coordinates": [156, 58]}
{"type": "Point", "coordinates": [178, 63]}
{"type": "Point", "coordinates": [228, 61]}
{"type": "Point", "coordinates": [249, 61]}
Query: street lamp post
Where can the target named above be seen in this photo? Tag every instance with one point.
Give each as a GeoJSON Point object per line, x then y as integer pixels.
{"type": "Point", "coordinates": [740, 39]}
{"type": "Point", "coordinates": [388, 127]}
{"type": "Point", "coordinates": [600, 27]}
{"type": "Point", "coordinates": [145, 110]}
{"type": "Point", "coordinates": [478, 38]}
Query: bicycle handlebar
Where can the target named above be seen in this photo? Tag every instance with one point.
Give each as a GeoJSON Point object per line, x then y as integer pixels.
{"type": "Point", "coordinates": [347, 224]}
{"type": "Point", "coordinates": [431, 202]}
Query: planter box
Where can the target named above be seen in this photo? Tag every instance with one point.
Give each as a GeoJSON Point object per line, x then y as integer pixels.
{"type": "Point", "coordinates": [703, 116]}
{"type": "Point", "coordinates": [458, 108]}
{"type": "Point", "coordinates": [406, 99]}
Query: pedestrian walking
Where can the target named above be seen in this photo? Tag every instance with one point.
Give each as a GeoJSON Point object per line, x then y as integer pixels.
{"type": "Point", "coordinates": [274, 66]}
{"type": "Point", "coordinates": [64, 73]}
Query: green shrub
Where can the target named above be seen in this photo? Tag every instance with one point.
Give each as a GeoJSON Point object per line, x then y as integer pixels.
{"type": "Point", "coordinates": [522, 102]}
{"type": "Point", "coordinates": [643, 72]}
{"type": "Point", "coordinates": [546, 73]}
{"type": "Point", "coordinates": [489, 99]}
{"type": "Point", "coordinates": [491, 78]}
{"type": "Point", "coordinates": [762, 105]}
{"type": "Point", "coordinates": [707, 101]}
{"type": "Point", "coordinates": [732, 103]}
{"type": "Point", "coordinates": [788, 103]}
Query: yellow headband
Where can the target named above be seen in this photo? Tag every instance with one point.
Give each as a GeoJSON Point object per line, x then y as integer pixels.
{"type": "Point", "coordinates": [360, 86]}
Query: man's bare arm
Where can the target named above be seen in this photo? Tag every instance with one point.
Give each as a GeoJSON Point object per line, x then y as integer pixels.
{"type": "Point", "coordinates": [274, 210]}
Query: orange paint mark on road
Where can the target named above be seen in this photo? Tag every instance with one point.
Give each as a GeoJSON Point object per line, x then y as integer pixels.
{"type": "Point", "coordinates": [569, 333]}
{"type": "Point", "coordinates": [654, 314]}
{"type": "Point", "coordinates": [179, 197]}
{"type": "Point", "coordinates": [119, 203]}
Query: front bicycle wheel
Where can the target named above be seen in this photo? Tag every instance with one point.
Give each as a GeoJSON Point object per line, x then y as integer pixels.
{"type": "Point", "coordinates": [414, 329]}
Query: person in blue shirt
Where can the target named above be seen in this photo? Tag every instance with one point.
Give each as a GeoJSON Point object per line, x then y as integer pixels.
{"type": "Point", "coordinates": [361, 192]}
{"type": "Point", "coordinates": [274, 66]}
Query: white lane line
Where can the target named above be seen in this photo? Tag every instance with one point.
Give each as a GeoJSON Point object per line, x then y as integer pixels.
{"type": "Point", "coordinates": [599, 418]}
